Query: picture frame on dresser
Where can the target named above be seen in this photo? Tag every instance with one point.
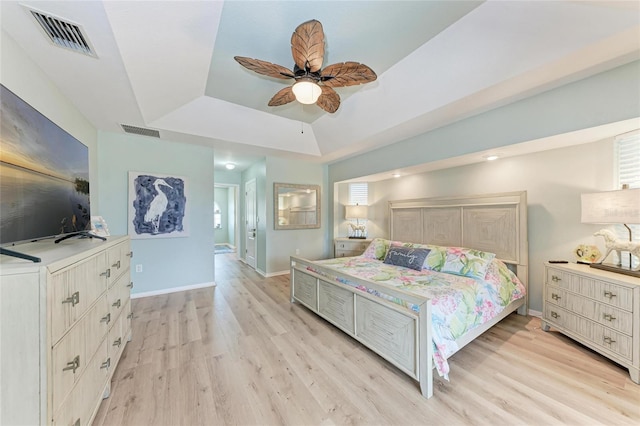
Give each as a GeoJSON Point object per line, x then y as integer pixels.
{"type": "Point", "coordinates": [597, 308]}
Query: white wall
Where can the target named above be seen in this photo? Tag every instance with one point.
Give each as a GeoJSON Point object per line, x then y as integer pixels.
{"type": "Point", "coordinates": [553, 180]}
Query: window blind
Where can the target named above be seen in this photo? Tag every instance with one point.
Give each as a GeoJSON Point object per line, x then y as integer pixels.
{"type": "Point", "coordinates": [628, 159]}
{"type": "Point", "coordinates": [359, 193]}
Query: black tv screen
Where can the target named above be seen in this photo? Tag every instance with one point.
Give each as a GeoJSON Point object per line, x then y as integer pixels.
{"type": "Point", "coordinates": [44, 176]}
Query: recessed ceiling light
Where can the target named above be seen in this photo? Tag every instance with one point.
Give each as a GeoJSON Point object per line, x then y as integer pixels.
{"type": "Point", "coordinates": [396, 175]}
{"type": "Point", "coordinates": [491, 157]}
{"type": "Point", "coordinates": [230, 166]}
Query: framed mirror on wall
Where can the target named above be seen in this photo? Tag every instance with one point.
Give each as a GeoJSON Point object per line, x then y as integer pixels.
{"type": "Point", "coordinates": [296, 206]}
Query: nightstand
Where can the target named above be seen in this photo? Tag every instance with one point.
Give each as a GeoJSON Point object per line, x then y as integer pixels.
{"type": "Point", "coordinates": [345, 247]}
{"type": "Point", "coordinates": [597, 308]}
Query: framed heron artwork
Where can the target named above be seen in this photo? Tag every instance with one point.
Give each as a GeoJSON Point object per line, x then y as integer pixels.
{"type": "Point", "coordinates": [157, 206]}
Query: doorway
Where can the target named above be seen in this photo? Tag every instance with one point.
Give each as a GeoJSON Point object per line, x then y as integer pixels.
{"type": "Point", "coordinates": [225, 218]}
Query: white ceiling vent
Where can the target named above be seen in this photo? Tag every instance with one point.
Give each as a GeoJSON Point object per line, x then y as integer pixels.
{"type": "Point", "coordinates": [140, 131]}
{"type": "Point", "coordinates": [63, 33]}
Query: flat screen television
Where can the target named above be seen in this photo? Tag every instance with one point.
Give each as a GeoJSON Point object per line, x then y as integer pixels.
{"type": "Point", "coordinates": [44, 176]}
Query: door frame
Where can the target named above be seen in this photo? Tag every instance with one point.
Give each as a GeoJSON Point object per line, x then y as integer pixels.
{"type": "Point", "coordinates": [246, 228]}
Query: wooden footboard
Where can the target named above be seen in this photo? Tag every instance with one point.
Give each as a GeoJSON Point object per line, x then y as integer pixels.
{"type": "Point", "coordinates": [398, 334]}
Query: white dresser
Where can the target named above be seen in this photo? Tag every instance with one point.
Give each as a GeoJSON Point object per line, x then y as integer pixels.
{"type": "Point", "coordinates": [599, 309]}
{"type": "Point", "coordinates": [64, 323]}
{"type": "Point", "coordinates": [345, 247]}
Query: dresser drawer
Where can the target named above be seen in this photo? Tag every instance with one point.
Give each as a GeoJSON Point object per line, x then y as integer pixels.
{"type": "Point", "coordinates": [78, 408]}
{"type": "Point", "coordinates": [119, 259]}
{"type": "Point", "coordinates": [606, 339]}
{"type": "Point", "coordinates": [344, 247]}
{"type": "Point", "coordinates": [609, 316]}
{"type": "Point", "coordinates": [347, 253]}
{"type": "Point", "coordinates": [118, 296]}
{"type": "Point", "coordinates": [73, 290]}
{"type": "Point", "coordinates": [76, 349]}
{"type": "Point", "coordinates": [605, 292]}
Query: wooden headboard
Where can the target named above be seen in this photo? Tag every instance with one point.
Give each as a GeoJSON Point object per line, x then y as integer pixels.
{"type": "Point", "coordinates": [495, 223]}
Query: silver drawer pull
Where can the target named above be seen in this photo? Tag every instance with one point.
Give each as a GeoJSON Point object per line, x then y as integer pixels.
{"type": "Point", "coordinates": [554, 314]}
{"type": "Point", "coordinates": [555, 296]}
{"type": "Point", "coordinates": [73, 365]}
{"type": "Point", "coordinates": [106, 273]}
{"type": "Point", "coordinates": [106, 319]}
{"type": "Point", "coordinates": [608, 317]}
{"type": "Point", "coordinates": [555, 278]}
{"type": "Point", "coordinates": [116, 303]}
{"type": "Point", "coordinates": [106, 364]}
{"type": "Point", "coordinates": [130, 254]}
{"type": "Point", "coordinates": [117, 342]}
{"type": "Point", "coordinates": [609, 294]}
{"type": "Point", "coordinates": [130, 285]}
{"type": "Point", "coordinates": [130, 315]}
{"type": "Point", "coordinates": [116, 265]}
{"type": "Point", "coordinates": [608, 340]}
{"type": "Point", "coordinates": [74, 299]}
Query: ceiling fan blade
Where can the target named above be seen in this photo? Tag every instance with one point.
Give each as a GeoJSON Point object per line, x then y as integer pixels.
{"type": "Point", "coordinates": [265, 68]}
{"type": "Point", "coordinates": [307, 46]}
{"type": "Point", "coordinates": [283, 97]}
{"type": "Point", "coordinates": [329, 100]}
{"type": "Point", "coordinates": [347, 74]}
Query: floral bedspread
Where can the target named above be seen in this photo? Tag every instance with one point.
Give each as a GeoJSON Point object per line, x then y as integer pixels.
{"type": "Point", "coordinates": [459, 304]}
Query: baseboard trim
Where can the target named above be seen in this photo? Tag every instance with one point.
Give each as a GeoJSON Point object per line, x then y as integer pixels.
{"type": "Point", "coordinates": [535, 313]}
{"type": "Point", "coordinates": [275, 274]}
{"type": "Point", "coordinates": [171, 290]}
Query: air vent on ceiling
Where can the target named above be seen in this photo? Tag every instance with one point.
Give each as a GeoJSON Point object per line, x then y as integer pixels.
{"type": "Point", "coordinates": [63, 33]}
{"type": "Point", "coordinates": [140, 131]}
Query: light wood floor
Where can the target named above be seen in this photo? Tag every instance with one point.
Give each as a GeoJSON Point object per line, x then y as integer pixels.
{"type": "Point", "coordinates": [242, 354]}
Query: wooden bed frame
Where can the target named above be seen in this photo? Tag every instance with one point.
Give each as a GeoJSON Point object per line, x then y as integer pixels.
{"type": "Point", "coordinates": [495, 223]}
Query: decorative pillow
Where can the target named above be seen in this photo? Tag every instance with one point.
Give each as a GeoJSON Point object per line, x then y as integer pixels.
{"type": "Point", "coordinates": [408, 257]}
{"type": "Point", "coordinates": [466, 262]}
{"type": "Point", "coordinates": [377, 249]}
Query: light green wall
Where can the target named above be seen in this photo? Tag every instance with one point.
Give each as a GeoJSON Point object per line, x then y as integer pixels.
{"type": "Point", "coordinates": [605, 98]}
{"type": "Point", "coordinates": [281, 244]}
{"type": "Point", "coordinates": [552, 179]}
{"type": "Point", "coordinates": [167, 262]}
{"type": "Point", "coordinates": [221, 197]}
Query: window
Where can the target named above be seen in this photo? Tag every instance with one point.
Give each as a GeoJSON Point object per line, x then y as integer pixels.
{"type": "Point", "coordinates": [627, 157]}
{"type": "Point", "coordinates": [359, 193]}
{"type": "Point", "coordinates": [217, 216]}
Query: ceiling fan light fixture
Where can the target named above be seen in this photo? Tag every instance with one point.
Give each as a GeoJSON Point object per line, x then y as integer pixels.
{"type": "Point", "coordinates": [306, 92]}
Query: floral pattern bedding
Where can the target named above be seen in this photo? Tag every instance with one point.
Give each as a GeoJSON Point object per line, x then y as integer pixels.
{"type": "Point", "coordinates": [459, 303]}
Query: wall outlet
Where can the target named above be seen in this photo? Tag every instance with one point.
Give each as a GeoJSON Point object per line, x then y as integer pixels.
{"type": "Point", "coordinates": [138, 268]}
{"type": "Point", "coordinates": [297, 251]}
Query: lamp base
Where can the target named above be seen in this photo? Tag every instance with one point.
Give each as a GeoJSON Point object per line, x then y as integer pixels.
{"type": "Point", "coordinates": [625, 270]}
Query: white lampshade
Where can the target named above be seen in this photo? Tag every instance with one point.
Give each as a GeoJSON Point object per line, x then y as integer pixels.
{"type": "Point", "coordinates": [306, 92]}
{"type": "Point", "coordinates": [621, 206]}
{"type": "Point", "coordinates": [356, 212]}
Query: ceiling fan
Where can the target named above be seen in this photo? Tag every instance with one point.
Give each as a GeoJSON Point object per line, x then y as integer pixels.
{"type": "Point", "coordinates": [312, 84]}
